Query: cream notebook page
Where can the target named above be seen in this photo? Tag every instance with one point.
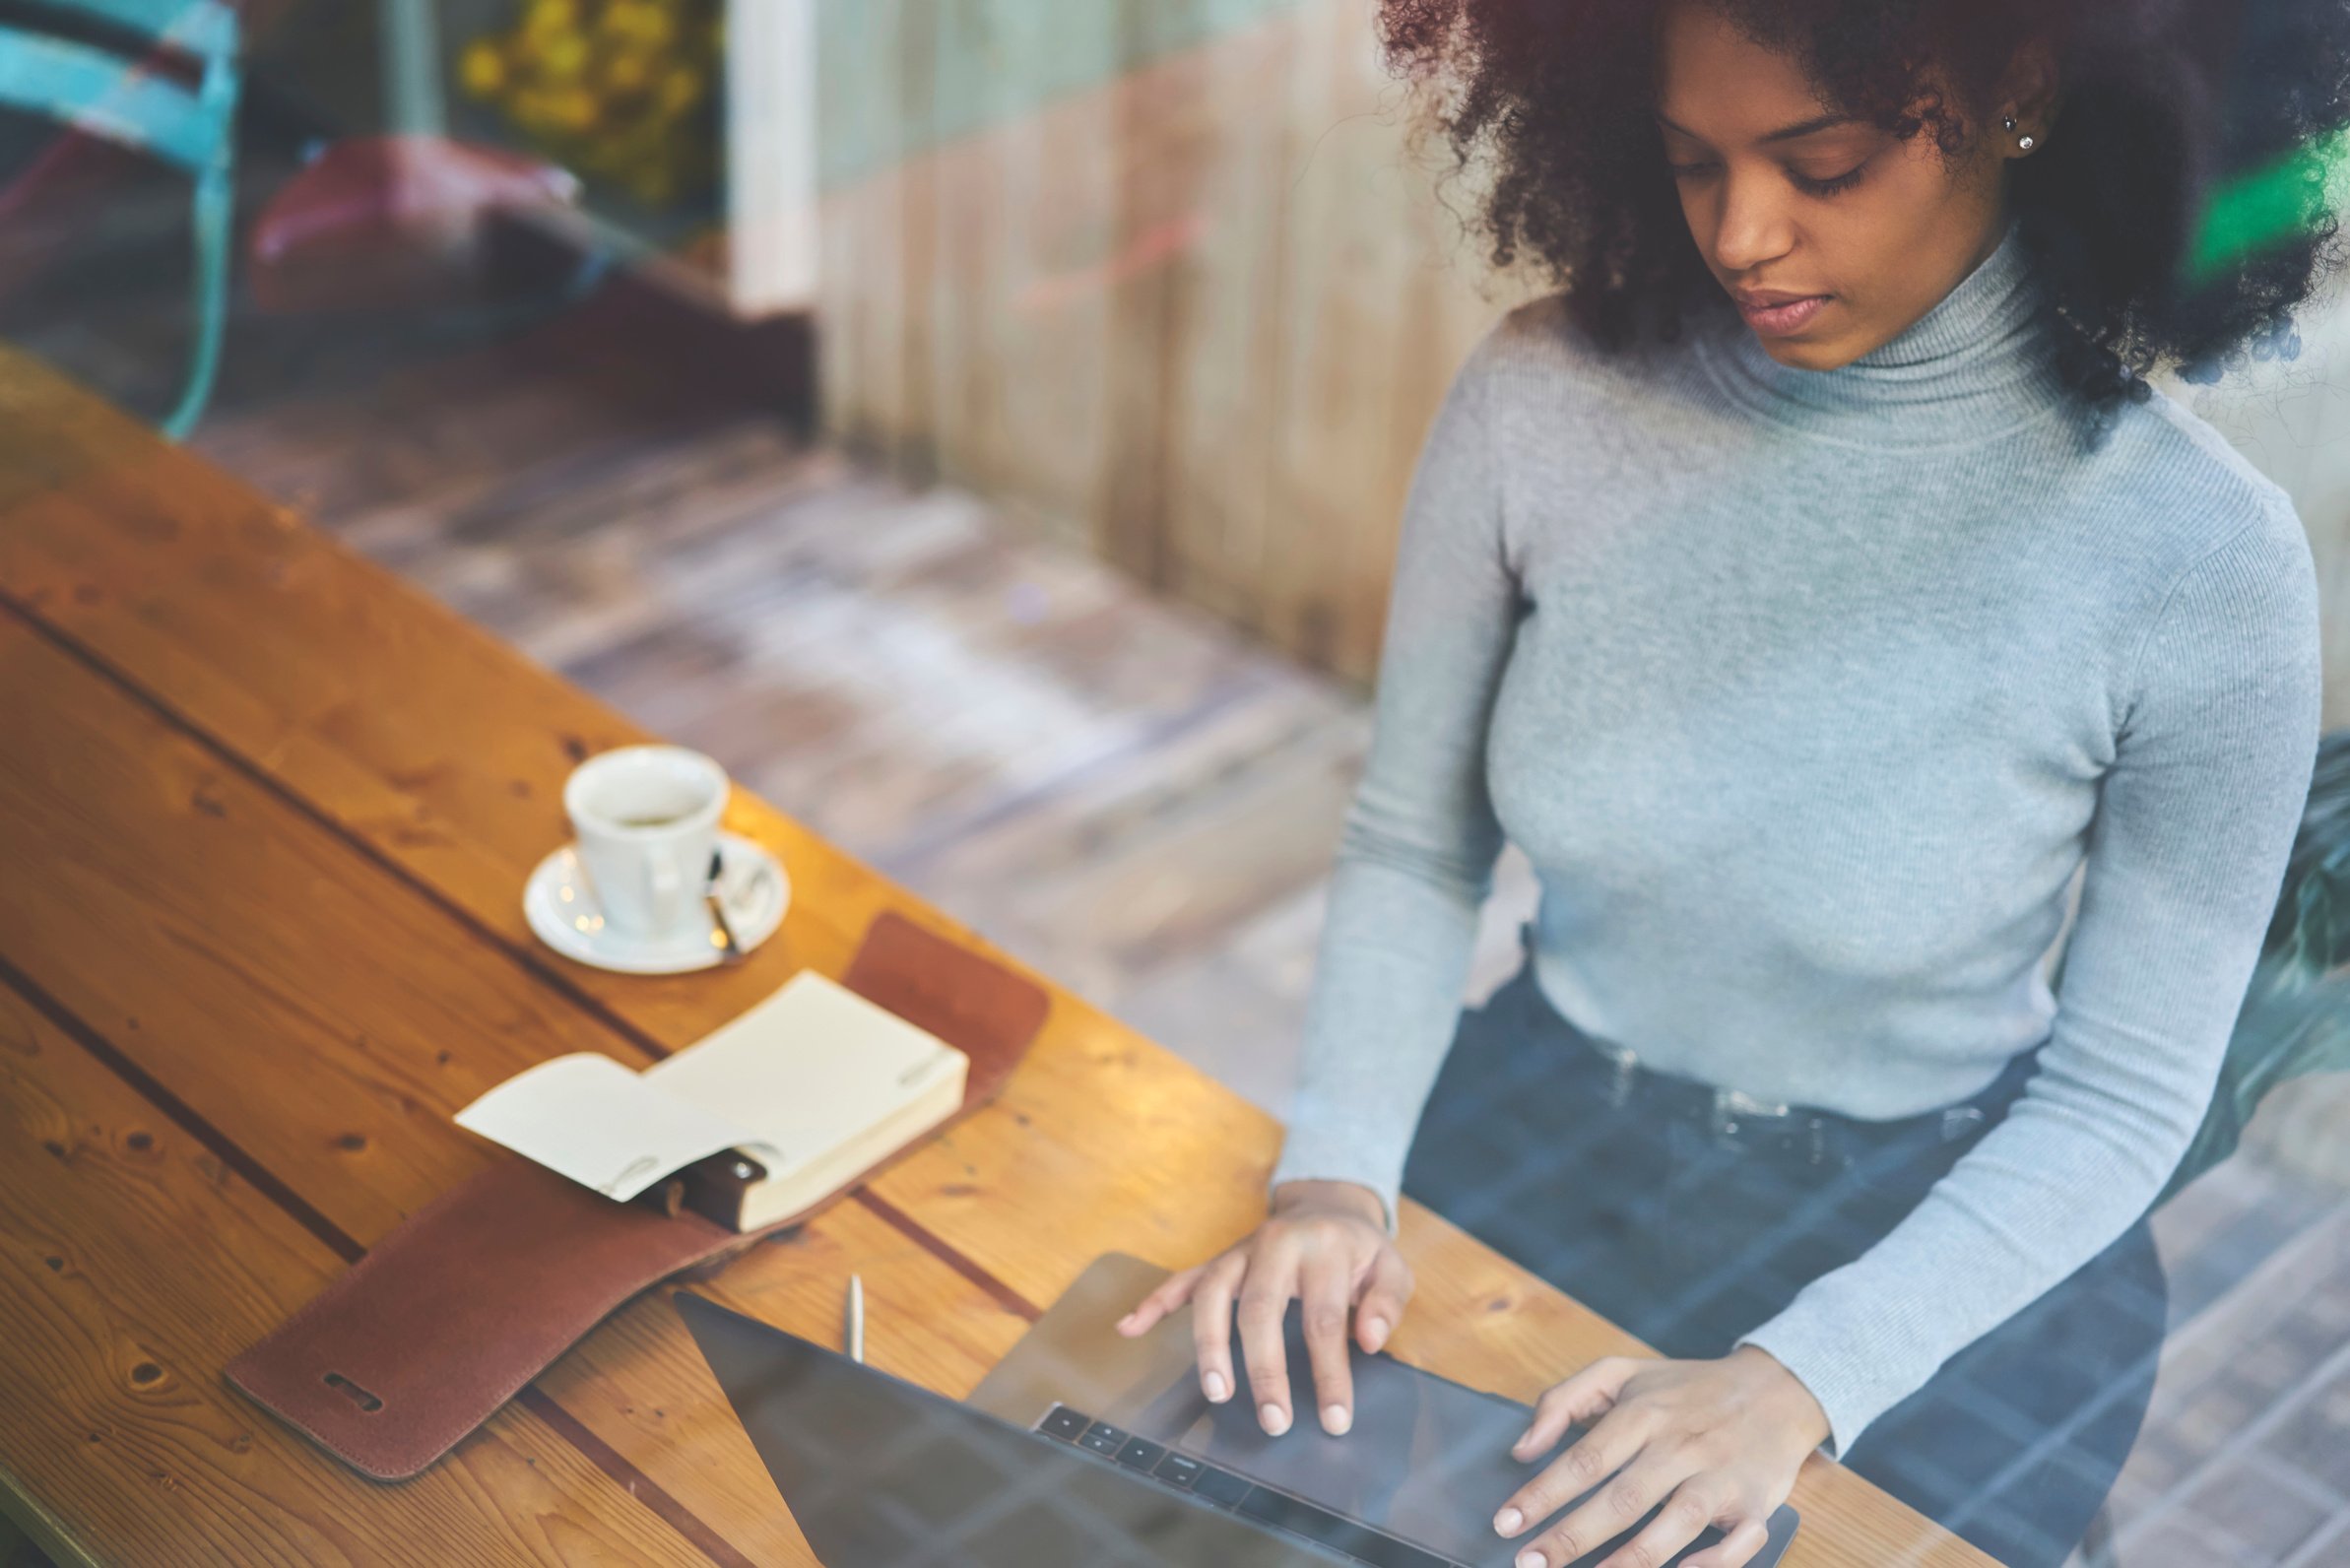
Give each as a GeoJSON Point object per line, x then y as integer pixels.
{"type": "Point", "coordinates": [815, 1082]}
{"type": "Point", "coordinates": [810, 1070]}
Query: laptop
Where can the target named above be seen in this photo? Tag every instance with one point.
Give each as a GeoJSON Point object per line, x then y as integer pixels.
{"type": "Point", "coordinates": [1045, 1466]}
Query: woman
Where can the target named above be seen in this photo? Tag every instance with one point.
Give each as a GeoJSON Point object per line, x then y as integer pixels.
{"type": "Point", "coordinates": [1810, 588]}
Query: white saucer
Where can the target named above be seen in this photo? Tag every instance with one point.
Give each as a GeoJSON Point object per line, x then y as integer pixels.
{"type": "Point", "coordinates": [561, 904]}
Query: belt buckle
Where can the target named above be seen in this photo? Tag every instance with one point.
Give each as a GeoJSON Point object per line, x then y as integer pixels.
{"type": "Point", "coordinates": [1623, 1068]}
{"type": "Point", "coordinates": [1729, 1105]}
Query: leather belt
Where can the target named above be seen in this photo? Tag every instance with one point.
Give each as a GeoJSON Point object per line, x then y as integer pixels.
{"type": "Point", "coordinates": [1734, 1117]}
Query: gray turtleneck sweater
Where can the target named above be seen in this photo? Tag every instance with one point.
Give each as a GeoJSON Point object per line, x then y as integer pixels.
{"type": "Point", "coordinates": [1806, 693]}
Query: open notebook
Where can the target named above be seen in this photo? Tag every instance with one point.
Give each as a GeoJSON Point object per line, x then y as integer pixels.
{"type": "Point", "coordinates": [811, 1087]}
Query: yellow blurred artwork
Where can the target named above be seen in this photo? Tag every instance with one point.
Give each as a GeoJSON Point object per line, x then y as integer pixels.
{"type": "Point", "coordinates": [622, 90]}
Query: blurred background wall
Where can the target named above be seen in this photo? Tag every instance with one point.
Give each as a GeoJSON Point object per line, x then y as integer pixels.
{"type": "Point", "coordinates": [1160, 278]}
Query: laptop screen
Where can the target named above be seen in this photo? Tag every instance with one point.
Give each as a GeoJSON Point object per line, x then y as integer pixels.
{"type": "Point", "coordinates": [877, 1472]}
{"type": "Point", "coordinates": [1051, 1463]}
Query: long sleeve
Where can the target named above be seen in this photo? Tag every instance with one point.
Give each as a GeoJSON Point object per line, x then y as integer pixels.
{"type": "Point", "coordinates": [2187, 850]}
{"type": "Point", "coordinates": [1416, 855]}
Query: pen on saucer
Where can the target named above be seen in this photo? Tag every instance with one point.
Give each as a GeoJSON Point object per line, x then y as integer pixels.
{"type": "Point", "coordinates": [856, 1329]}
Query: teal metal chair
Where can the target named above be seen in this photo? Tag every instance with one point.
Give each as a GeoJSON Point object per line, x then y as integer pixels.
{"type": "Point", "coordinates": [122, 96]}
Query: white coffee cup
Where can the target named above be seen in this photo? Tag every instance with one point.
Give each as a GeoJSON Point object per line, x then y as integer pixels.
{"type": "Point", "coordinates": [646, 822]}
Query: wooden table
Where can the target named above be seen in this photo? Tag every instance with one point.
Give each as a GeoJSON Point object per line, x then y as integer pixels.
{"type": "Point", "coordinates": [265, 813]}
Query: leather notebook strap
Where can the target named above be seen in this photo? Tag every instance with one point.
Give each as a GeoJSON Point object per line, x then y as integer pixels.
{"type": "Point", "coordinates": [479, 1292]}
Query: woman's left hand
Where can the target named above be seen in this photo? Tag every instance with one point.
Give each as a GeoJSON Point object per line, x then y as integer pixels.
{"type": "Point", "coordinates": [1717, 1442]}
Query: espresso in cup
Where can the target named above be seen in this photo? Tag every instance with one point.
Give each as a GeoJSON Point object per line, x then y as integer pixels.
{"type": "Point", "coordinates": [646, 822]}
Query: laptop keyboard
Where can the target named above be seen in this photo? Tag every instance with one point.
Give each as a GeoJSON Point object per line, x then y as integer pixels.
{"type": "Point", "coordinates": [1236, 1494]}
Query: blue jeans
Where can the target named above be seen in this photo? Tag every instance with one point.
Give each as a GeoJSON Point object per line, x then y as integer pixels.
{"type": "Point", "coordinates": [1634, 1193]}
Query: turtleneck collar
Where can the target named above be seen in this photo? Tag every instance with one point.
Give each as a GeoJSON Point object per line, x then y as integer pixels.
{"type": "Point", "coordinates": [1977, 364]}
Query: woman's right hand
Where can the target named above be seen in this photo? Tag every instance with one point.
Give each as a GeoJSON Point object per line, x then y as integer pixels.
{"type": "Point", "coordinates": [1325, 1243]}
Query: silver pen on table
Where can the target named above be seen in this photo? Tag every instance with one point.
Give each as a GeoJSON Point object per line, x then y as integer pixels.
{"type": "Point", "coordinates": [856, 1314]}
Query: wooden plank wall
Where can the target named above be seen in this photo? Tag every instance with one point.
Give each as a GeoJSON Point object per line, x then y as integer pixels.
{"type": "Point", "coordinates": [1169, 281]}
{"type": "Point", "coordinates": [1158, 276]}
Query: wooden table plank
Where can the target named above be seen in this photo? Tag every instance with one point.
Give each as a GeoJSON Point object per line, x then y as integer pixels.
{"type": "Point", "coordinates": [161, 577]}
{"type": "Point", "coordinates": [320, 679]}
{"type": "Point", "coordinates": [133, 1264]}
{"type": "Point", "coordinates": [642, 1384]}
{"type": "Point", "coordinates": [175, 927]}
{"type": "Point", "coordinates": [161, 581]}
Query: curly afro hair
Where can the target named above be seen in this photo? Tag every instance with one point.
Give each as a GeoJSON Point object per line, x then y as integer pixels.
{"type": "Point", "coordinates": [2178, 213]}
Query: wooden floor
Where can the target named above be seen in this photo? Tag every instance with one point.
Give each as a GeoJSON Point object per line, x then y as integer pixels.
{"type": "Point", "coordinates": [1121, 793]}
{"type": "Point", "coordinates": [1111, 787]}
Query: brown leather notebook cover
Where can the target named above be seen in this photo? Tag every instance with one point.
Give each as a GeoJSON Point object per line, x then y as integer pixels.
{"type": "Point", "coordinates": [476, 1293]}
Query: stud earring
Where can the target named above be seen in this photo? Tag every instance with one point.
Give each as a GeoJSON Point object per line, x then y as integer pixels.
{"type": "Point", "coordinates": [2025, 142]}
